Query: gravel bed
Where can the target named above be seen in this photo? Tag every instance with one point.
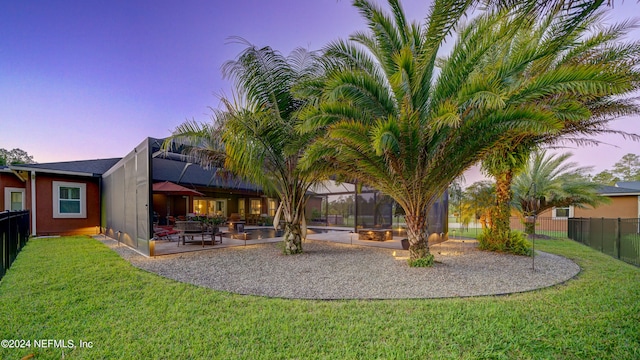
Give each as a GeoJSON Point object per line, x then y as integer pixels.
{"type": "Point", "coordinates": [329, 270]}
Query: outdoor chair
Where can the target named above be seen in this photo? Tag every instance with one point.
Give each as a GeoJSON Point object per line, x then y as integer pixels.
{"type": "Point", "coordinates": [160, 234]}
{"type": "Point", "coordinates": [163, 233]}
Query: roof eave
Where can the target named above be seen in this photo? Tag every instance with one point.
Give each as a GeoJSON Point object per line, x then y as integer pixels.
{"type": "Point", "coordinates": [53, 171]}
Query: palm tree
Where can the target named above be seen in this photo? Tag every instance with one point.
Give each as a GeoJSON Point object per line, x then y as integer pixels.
{"type": "Point", "coordinates": [390, 120]}
{"type": "Point", "coordinates": [257, 130]}
{"type": "Point", "coordinates": [553, 182]}
{"type": "Point", "coordinates": [598, 75]}
{"type": "Point", "coordinates": [479, 199]}
{"type": "Point", "coordinates": [201, 142]}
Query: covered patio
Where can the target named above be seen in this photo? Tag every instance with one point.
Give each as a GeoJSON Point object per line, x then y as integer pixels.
{"type": "Point", "coordinates": [148, 190]}
{"type": "Point", "coordinates": [230, 238]}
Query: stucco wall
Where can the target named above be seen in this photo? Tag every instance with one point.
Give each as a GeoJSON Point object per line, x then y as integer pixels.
{"type": "Point", "coordinates": [620, 207]}
{"type": "Point", "coordinates": [46, 224]}
{"type": "Point", "coordinates": [9, 180]}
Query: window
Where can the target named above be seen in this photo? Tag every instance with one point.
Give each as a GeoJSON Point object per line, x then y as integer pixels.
{"type": "Point", "coordinates": [256, 206]}
{"type": "Point", "coordinates": [220, 207]}
{"type": "Point", "coordinates": [241, 210]}
{"type": "Point", "coordinates": [272, 207]}
{"type": "Point", "coordinates": [14, 199]}
{"type": "Point", "coordinates": [201, 207]}
{"type": "Point", "coordinates": [69, 200]}
{"type": "Point", "coordinates": [562, 212]}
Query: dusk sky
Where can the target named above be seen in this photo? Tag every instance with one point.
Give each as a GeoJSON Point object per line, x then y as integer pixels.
{"type": "Point", "coordinates": [91, 79]}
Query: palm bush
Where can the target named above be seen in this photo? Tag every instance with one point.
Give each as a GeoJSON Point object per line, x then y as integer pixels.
{"type": "Point", "coordinates": [582, 72]}
{"type": "Point", "coordinates": [392, 115]}
{"type": "Point", "coordinates": [254, 136]}
{"type": "Point", "coordinates": [553, 181]}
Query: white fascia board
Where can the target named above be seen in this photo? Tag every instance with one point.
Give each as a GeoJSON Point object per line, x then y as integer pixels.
{"type": "Point", "coordinates": [49, 171]}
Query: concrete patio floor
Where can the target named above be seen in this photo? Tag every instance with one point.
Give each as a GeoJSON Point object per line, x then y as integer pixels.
{"type": "Point", "coordinates": [332, 234]}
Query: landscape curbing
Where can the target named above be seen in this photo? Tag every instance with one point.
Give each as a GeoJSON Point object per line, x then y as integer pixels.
{"type": "Point", "coordinates": [332, 271]}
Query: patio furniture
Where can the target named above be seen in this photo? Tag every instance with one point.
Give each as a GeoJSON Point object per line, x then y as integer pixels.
{"type": "Point", "coordinates": [375, 234]}
{"type": "Point", "coordinates": [252, 219]}
{"type": "Point", "coordinates": [190, 230]}
{"type": "Point", "coordinates": [160, 234]}
{"type": "Point", "coordinates": [163, 233]}
{"type": "Point", "coordinates": [234, 220]}
{"type": "Point", "coordinates": [212, 232]}
{"type": "Point", "coordinates": [235, 224]}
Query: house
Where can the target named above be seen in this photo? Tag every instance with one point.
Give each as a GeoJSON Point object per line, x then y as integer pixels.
{"type": "Point", "coordinates": [12, 191]}
{"type": "Point", "coordinates": [63, 197]}
{"type": "Point", "coordinates": [116, 196]}
{"type": "Point", "coordinates": [624, 203]}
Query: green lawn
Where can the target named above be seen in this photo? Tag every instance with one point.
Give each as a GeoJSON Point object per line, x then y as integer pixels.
{"type": "Point", "coordinates": [474, 232]}
{"type": "Point", "coordinates": [77, 289]}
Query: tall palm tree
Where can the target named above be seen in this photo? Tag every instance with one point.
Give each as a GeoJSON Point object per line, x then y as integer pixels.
{"type": "Point", "coordinates": [600, 74]}
{"type": "Point", "coordinates": [391, 120]}
{"type": "Point", "coordinates": [553, 182]}
{"type": "Point", "coordinates": [257, 128]}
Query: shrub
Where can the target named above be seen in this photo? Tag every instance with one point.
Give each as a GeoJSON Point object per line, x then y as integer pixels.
{"type": "Point", "coordinates": [426, 261]}
{"type": "Point", "coordinates": [516, 243]}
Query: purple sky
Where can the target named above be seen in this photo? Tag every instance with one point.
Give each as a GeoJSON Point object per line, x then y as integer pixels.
{"type": "Point", "coordinates": [91, 79]}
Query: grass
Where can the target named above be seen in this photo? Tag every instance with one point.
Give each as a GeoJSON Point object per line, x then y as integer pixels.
{"type": "Point", "coordinates": [474, 232]}
{"type": "Point", "coordinates": [76, 288]}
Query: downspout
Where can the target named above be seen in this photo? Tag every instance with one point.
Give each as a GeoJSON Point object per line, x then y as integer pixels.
{"type": "Point", "coordinates": [33, 203]}
{"type": "Point", "coordinates": [100, 203]}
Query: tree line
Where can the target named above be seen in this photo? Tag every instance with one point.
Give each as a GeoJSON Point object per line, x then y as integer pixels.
{"type": "Point", "coordinates": [14, 157]}
{"type": "Point", "coordinates": [626, 169]}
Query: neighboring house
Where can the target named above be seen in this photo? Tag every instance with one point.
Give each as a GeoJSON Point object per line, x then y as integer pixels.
{"type": "Point", "coordinates": [63, 197]}
{"type": "Point", "coordinates": [625, 203]}
{"type": "Point", "coordinates": [629, 184]}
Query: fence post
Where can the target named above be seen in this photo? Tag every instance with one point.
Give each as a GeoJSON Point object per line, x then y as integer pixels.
{"type": "Point", "coordinates": [601, 234]}
{"type": "Point", "coordinates": [618, 236]}
{"type": "Point", "coordinates": [581, 233]}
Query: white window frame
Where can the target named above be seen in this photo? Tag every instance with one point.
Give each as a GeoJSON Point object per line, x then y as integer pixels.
{"type": "Point", "coordinates": [553, 212]}
{"type": "Point", "coordinates": [56, 200]}
{"type": "Point", "coordinates": [7, 197]}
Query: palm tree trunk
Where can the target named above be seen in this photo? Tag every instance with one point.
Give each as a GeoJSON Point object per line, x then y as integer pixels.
{"type": "Point", "coordinates": [294, 228]}
{"type": "Point", "coordinates": [530, 228]}
{"type": "Point", "coordinates": [417, 236]}
{"type": "Point", "coordinates": [292, 238]}
{"type": "Point", "coordinates": [500, 226]}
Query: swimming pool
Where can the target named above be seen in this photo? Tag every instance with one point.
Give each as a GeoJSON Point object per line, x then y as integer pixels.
{"type": "Point", "coordinates": [266, 233]}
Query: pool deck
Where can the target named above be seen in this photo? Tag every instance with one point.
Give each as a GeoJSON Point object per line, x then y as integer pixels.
{"type": "Point", "coordinates": [334, 234]}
